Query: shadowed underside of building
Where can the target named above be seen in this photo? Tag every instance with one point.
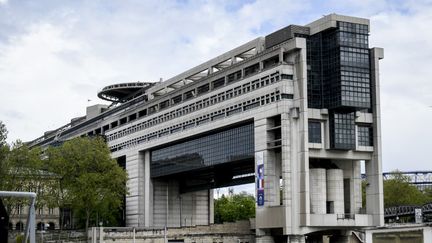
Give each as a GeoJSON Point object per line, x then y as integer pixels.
{"type": "Point", "coordinates": [296, 112]}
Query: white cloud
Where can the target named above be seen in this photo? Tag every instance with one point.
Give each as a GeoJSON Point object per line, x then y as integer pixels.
{"type": "Point", "coordinates": [54, 59]}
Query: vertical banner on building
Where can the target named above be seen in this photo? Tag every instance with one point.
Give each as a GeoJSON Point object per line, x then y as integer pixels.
{"type": "Point", "coordinates": [259, 162]}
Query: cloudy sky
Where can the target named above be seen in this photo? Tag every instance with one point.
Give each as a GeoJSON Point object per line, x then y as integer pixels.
{"type": "Point", "coordinates": [56, 55]}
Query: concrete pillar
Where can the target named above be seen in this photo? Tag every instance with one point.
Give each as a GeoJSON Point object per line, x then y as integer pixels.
{"type": "Point", "coordinates": [352, 172]}
{"type": "Point", "coordinates": [318, 190]}
{"type": "Point", "coordinates": [335, 190]}
{"type": "Point", "coordinates": [289, 174]}
{"type": "Point", "coordinates": [148, 192]}
{"type": "Point", "coordinates": [135, 200]}
{"type": "Point", "coordinates": [301, 128]}
{"type": "Point", "coordinates": [101, 234]}
{"type": "Point", "coordinates": [211, 207]}
{"type": "Point", "coordinates": [271, 164]}
{"type": "Point", "coordinates": [374, 191]}
{"type": "Point", "coordinates": [374, 188]}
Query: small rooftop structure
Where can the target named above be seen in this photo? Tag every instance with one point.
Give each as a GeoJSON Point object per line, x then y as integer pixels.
{"type": "Point", "coordinates": [123, 92]}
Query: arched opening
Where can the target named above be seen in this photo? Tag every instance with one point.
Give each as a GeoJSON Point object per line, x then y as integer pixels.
{"type": "Point", "coordinates": [51, 226]}
{"type": "Point", "coordinates": [19, 226]}
{"type": "Point", "coordinates": [40, 226]}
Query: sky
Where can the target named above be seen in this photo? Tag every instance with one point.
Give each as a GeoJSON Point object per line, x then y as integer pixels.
{"type": "Point", "coordinates": [56, 55]}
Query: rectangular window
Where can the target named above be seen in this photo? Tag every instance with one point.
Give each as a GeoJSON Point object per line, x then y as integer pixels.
{"type": "Point", "coordinates": [164, 104]}
{"type": "Point", "coordinates": [287, 96]}
{"type": "Point", "coordinates": [287, 76]}
{"type": "Point", "coordinates": [152, 109]}
{"type": "Point", "coordinates": [251, 69]}
{"type": "Point", "coordinates": [177, 99]}
{"type": "Point", "coordinates": [342, 130]}
{"type": "Point", "coordinates": [365, 136]}
{"type": "Point", "coordinates": [203, 89]}
{"type": "Point", "coordinates": [189, 94]}
{"type": "Point", "coordinates": [218, 83]}
{"type": "Point", "coordinates": [272, 61]}
{"type": "Point", "coordinates": [234, 76]}
{"type": "Point", "coordinates": [314, 132]}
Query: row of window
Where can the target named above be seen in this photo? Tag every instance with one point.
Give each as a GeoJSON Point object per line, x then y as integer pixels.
{"type": "Point", "coordinates": [344, 134]}
{"type": "Point", "coordinates": [356, 74]}
{"type": "Point", "coordinates": [354, 50]}
{"type": "Point", "coordinates": [39, 211]}
{"type": "Point", "coordinates": [237, 108]}
{"type": "Point", "coordinates": [217, 98]}
{"type": "Point", "coordinates": [353, 39]}
{"type": "Point", "coordinates": [356, 59]}
{"type": "Point", "coordinates": [353, 27]}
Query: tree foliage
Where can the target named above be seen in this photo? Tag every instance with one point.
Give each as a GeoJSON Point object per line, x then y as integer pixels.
{"type": "Point", "coordinates": [398, 191]}
{"type": "Point", "coordinates": [79, 174]}
{"type": "Point", "coordinates": [21, 169]}
{"type": "Point", "coordinates": [89, 179]}
{"type": "Point", "coordinates": [234, 207]}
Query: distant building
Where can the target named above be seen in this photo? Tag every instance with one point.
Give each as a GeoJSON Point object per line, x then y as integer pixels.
{"type": "Point", "coordinates": [46, 218]}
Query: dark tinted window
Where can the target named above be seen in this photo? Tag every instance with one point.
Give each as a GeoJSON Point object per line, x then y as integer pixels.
{"type": "Point", "coordinates": [229, 145]}
{"type": "Point", "coordinates": [314, 132]}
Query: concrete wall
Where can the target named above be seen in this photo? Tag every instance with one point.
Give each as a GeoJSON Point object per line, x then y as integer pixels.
{"type": "Point", "coordinates": [172, 209]}
{"type": "Point", "coordinates": [238, 232]}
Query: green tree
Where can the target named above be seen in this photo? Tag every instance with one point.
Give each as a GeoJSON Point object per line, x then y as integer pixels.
{"type": "Point", "coordinates": [398, 191]}
{"type": "Point", "coordinates": [23, 170]}
{"type": "Point", "coordinates": [3, 134]}
{"type": "Point", "coordinates": [234, 207]}
{"type": "Point", "coordinates": [4, 150]}
{"type": "Point", "coordinates": [89, 179]}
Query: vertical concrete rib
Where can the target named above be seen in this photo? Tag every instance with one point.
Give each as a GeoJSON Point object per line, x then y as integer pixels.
{"type": "Point", "coordinates": [135, 183]}
{"type": "Point", "coordinates": [287, 172]}
{"type": "Point", "coordinates": [148, 192]}
{"type": "Point", "coordinates": [300, 88]}
{"type": "Point", "coordinates": [374, 190]}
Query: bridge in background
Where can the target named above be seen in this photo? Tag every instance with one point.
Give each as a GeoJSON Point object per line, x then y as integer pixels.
{"type": "Point", "coordinates": [422, 180]}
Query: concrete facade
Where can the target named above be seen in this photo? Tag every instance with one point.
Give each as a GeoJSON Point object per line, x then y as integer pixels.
{"type": "Point", "coordinates": [268, 86]}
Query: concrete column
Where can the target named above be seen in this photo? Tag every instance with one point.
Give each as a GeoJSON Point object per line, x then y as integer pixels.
{"type": "Point", "coordinates": [289, 174]}
{"type": "Point", "coordinates": [271, 164]}
{"type": "Point", "coordinates": [211, 207]}
{"type": "Point", "coordinates": [201, 207]}
{"type": "Point", "coordinates": [173, 197]}
{"type": "Point", "coordinates": [300, 101]}
{"type": "Point", "coordinates": [352, 172]}
{"type": "Point", "coordinates": [135, 200]}
{"type": "Point", "coordinates": [335, 190]}
{"type": "Point", "coordinates": [374, 188]}
{"type": "Point", "coordinates": [148, 192]}
{"type": "Point", "coordinates": [318, 191]}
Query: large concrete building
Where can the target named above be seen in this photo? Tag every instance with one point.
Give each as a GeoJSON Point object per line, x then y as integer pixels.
{"type": "Point", "coordinates": [297, 112]}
